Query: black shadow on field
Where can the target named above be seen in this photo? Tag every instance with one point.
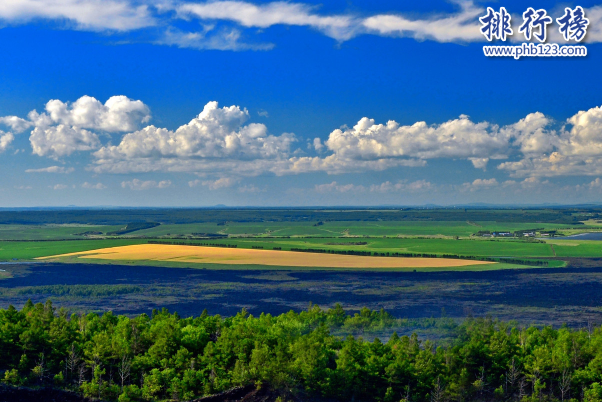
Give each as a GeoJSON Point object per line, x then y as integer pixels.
{"type": "Point", "coordinates": [540, 296]}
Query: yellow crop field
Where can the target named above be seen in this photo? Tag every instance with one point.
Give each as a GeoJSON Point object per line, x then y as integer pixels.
{"type": "Point", "coordinates": [236, 256]}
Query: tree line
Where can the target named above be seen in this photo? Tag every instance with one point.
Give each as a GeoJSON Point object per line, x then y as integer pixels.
{"type": "Point", "coordinates": [167, 357]}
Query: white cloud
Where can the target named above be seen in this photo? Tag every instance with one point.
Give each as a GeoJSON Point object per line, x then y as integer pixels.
{"type": "Point", "coordinates": [226, 25]}
{"type": "Point", "coordinates": [339, 188]}
{"type": "Point", "coordinates": [117, 114]}
{"type": "Point", "coordinates": [533, 182]}
{"type": "Point", "coordinates": [16, 124]}
{"type": "Point", "coordinates": [93, 15]}
{"type": "Point", "coordinates": [531, 135]}
{"type": "Point", "coordinates": [335, 164]}
{"type": "Point", "coordinates": [137, 184]}
{"type": "Point", "coordinates": [340, 27]}
{"type": "Point", "coordinates": [574, 151]}
{"type": "Point", "coordinates": [59, 187]}
{"type": "Point", "coordinates": [594, 29]}
{"type": "Point", "coordinates": [480, 184]}
{"type": "Point", "coordinates": [97, 186]}
{"type": "Point", "coordinates": [65, 128]}
{"type": "Point", "coordinates": [207, 39]}
{"type": "Point", "coordinates": [595, 184]}
{"type": "Point", "coordinates": [217, 142]}
{"type": "Point", "coordinates": [402, 186]}
{"type": "Point", "coordinates": [318, 146]}
{"type": "Point", "coordinates": [61, 140]}
{"type": "Point", "coordinates": [460, 138]}
{"type": "Point", "coordinates": [459, 27]}
{"type": "Point", "coordinates": [216, 132]}
{"type": "Point", "coordinates": [251, 189]}
{"type": "Point", "coordinates": [51, 169]}
{"type": "Point", "coordinates": [219, 183]}
{"type": "Point", "coordinates": [5, 140]}
{"type": "Point", "coordinates": [220, 143]}
{"type": "Point", "coordinates": [479, 163]}
{"type": "Point", "coordinates": [23, 187]}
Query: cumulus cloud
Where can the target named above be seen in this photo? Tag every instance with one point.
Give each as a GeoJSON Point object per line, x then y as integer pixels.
{"type": "Point", "coordinates": [402, 186]}
{"type": "Point", "coordinates": [575, 149]}
{"type": "Point", "coordinates": [59, 187]}
{"type": "Point", "coordinates": [335, 164]}
{"type": "Point", "coordinates": [216, 141]}
{"type": "Point", "coordinates": [595, 184]}
{"type": "Point", "coordinates": [530, 134]}
{"type": "Point", "coordinates": [479, 163]}
{"type": "Point", "coordinates": [138, 184]}
{"type": "Point", "coordinates": [117, 114]}
{"type": "Point", "coordinates": [216, 132]}
{"type": "Point", "coordinates": [52, 169]}
{"type": "Point", "coordinates": [339, 188]}
{"type": "Point", "coordinates": [317, 144]}
{"type": "Point", "coordinates": [5, 140]}
{"type": "Point", "coordinates": [480, 184]}
{"type": "Point", "coordinates": [61, 140]}
{"type": "Point", "coordinates": [533, 182]}
{"type": "Point", "coordinates": [459, 138]}
{"type": "Point", "coordinates": [219, 142]}
{"type": "Point", "coordinates": [97, 186]}
{"type": "Point", "coordinates": [64, 128]}
{"type": "Point", "coordinates": [93, 15]}
{"type": "Point", "coordinates": [16, 124]}
{"type": "Point", "coordinates": [219, 183]}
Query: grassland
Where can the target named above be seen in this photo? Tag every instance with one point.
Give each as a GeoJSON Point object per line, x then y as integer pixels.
{"type": "Point", "coordinates": [51, 231]}
{"type": "Point", "coordinates": [16, 250]}
{"type": "Point", "coordinates": [353, 228]}
{"type": "Point", "coordinates": [287, 229]}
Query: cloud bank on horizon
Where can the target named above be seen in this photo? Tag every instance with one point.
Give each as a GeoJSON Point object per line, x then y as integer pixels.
{"type": "Point", "coordinates": [231, 25]}
{"type": "Point", "coordinates": [221, 146]}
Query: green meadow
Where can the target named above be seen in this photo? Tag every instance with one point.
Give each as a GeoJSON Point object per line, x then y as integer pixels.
{"type": "Point", "coordinates": [27, 250]}
{"type": "Point", "coordinates": [354, 228]}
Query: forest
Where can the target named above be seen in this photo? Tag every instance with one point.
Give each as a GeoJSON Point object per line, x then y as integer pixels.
{"type": "Point", "coordinates": [119, 216]}
{"type": "Point", "coordinates": [168, 357]}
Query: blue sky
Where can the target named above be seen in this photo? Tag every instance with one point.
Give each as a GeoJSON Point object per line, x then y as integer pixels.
{"type": "Point", "coordinates": [183, 103]}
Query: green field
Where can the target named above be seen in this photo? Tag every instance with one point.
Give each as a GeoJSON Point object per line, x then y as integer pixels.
{"type": "Point", "coordinates": [462, 247]}
{"type": "Point", "coordinates": [50, 232]}
{"type": "Point", "coordinates": [15, 250]}
{"type": "Point", "coordinates": [577, 248]}
{"type": "Point", "coordinates": [354, 228]}
{"type": "Point", "coordinates": [418, 232]}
